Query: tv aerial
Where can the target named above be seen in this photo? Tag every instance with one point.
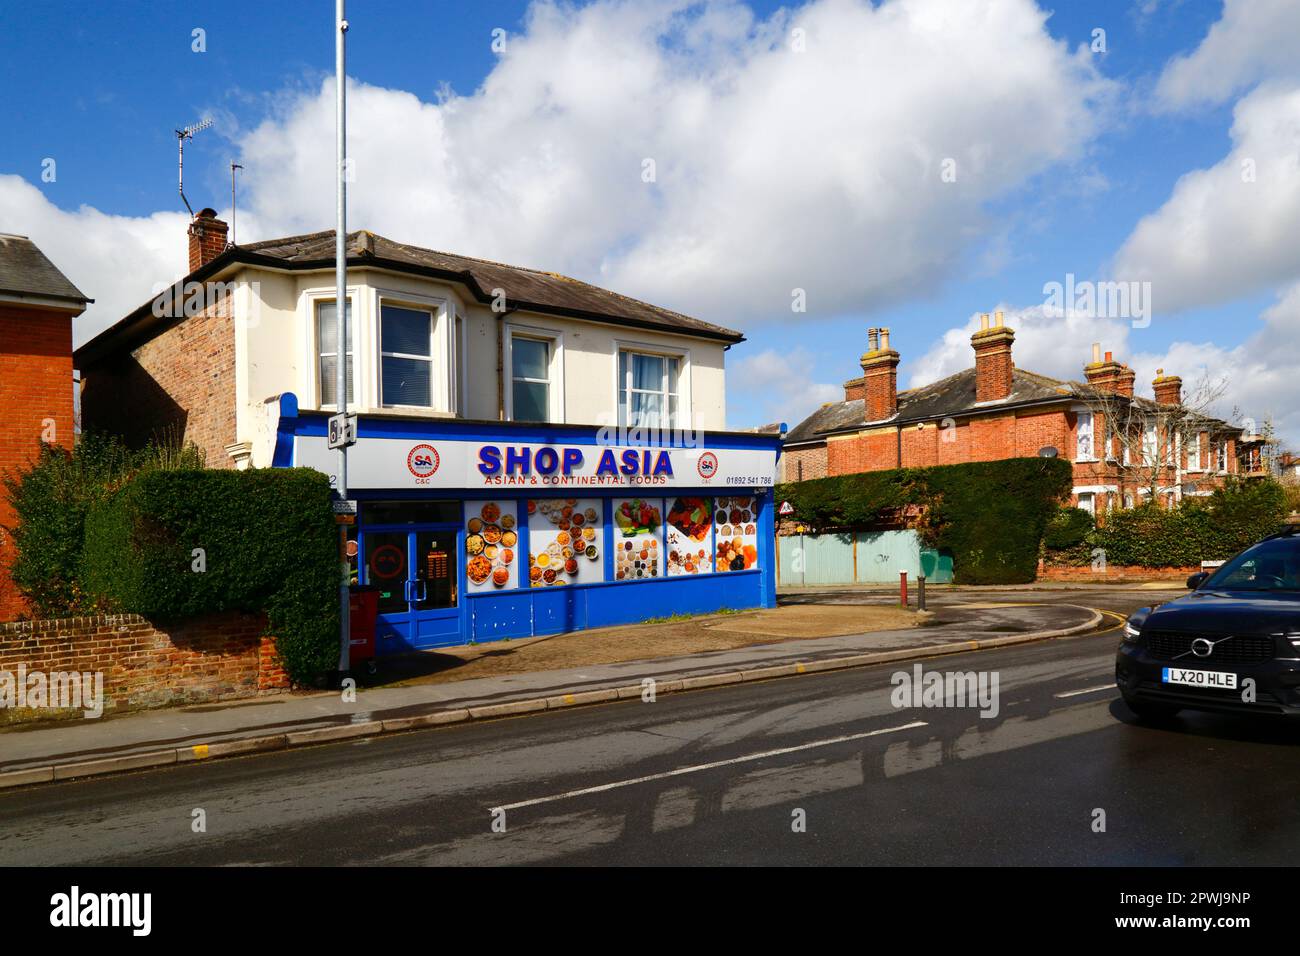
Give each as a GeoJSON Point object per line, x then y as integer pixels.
{"type": "Point", "coordinates": [181, 136]}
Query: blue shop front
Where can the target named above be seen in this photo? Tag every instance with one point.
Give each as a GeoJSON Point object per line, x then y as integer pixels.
{"type": "Point", "coordinates": [478, 531]}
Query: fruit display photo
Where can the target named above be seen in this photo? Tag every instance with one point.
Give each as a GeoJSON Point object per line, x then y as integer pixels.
{"type": "Point", "coordinates": [638, 552]}
{"type": "Point", "coordinates": [565, 541]}
{"type": "Point", "coordinates": [491, 545]}
{"type": "Point", "coordinates": [689, 548]}
{"type": "Point", "coordinates": [736, 524]}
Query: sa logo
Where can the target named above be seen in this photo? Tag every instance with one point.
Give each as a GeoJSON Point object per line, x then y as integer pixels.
{"type": "Point", "coordinates": [708, 465]}
{"type": "Point", "coordinates": [422, 462]}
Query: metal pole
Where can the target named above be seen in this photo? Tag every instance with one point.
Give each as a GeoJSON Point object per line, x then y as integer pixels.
{"type": "Point", "coordinates": [902, 588]}
{"type": "Point", "coordinates": [920, 592]}
{"type": "Point", "coordinates": [341, 309]}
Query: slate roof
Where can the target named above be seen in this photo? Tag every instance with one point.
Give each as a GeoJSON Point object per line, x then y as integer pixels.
{"type": "Point", "coordinates": [953, 397]}
{"type": "Point", "coordinates": [525, 288]}
{"type": "Point", "coordinates": [25, 271]}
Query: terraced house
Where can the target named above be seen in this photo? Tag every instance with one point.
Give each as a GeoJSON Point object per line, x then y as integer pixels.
{"type": "Point", "coordinates": [535, 454]}
{"type": "Point", "coordinates": [1124, 447]}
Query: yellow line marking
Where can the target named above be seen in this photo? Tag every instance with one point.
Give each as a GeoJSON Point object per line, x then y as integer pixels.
{"type": "Point", "coordinates": [798, 668]}
{"type": "Point", "coordinates": [200, 751]}
{"type": "Point", "coordinates": [568, 698]}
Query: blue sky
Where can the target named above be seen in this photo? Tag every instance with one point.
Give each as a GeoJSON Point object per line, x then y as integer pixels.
{"type": "Point", "coordinates": [100, 88]}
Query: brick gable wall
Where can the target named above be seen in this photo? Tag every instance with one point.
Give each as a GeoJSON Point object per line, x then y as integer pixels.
{"type": "Point", "coordinates": [37, 401]}
{"type": "Point", "coordinates": [183, 380]}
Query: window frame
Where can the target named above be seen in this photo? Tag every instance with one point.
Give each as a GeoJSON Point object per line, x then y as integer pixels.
{"type": "Point", "coordinates": [433, 358]}
{"type": "Point", "coordinates": [316, 383]}
{"type": "Point", "coordinates": [1082, 415]}
{"type": "Point", "coordinates": [554, 340]}
{"type": "Point", "coordinates": [685, 414]}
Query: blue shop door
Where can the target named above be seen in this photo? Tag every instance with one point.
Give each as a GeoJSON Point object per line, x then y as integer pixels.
{"type": "Point", "coordinates": [417, 571]}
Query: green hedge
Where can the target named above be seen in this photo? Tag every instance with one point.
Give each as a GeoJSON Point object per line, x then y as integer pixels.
{"type": "Point", "coordinates": [990, 515]}
{"type": "Point", "coordinates": [50, 500]}
{"type": "Point", "coordinates": [268, 540]}
{"type": "Point", "coordinates": [1213, 528]}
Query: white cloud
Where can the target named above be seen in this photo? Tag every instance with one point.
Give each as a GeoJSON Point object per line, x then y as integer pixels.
{"type": "Point", "coordinates": [115, 260]}
{"type": "Point", "coordinates": [1262, 374]}
{"type": "Point", "coordinates": [774, 169]}
{"type": "Point", "coordinates": [1253, 40]}
{"type": "Point", "coordinates": [772, 386]}
{"type": "Point", "coordinates": [1229, 230]}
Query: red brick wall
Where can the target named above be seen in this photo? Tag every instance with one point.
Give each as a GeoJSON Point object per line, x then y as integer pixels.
{"type": "Point", "coordinates": [182, 380]}
{"type": "Point", "coordinates": [813, 458]}
{"type": "Point", "coordinates": [1114, 574]}
{"type": "Point", "coordinates": [218, 657]}
{"type": "Point", "coordinates": [35, 386]}
{"type": "Point", "coordinates": [871, 451]}
{"type": "Point", "coordinates": [992, 438]}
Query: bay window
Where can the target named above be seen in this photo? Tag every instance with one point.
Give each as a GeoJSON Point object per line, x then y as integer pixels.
{"type": "Point", "coordinates": [327, 353]}
{"type": "Point", "coordinates": [406, 356]}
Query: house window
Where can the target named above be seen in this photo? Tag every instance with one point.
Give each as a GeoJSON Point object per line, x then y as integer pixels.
{"type": "Point", "coordinates": [406, 356]}
{"type": "Point", "coordinates": [530, 379]}
{"type": "Point", "coordinates": [327, 353]}
{"type": "Point", "coordinates": [1221, 456]}
{"type": "Point", "coordinates": [1083, 438]}
{"type": "Point", "coordinates": [1150, 445]}
{"type": "Point", "coordinates": [1128, 499]}
{"type": "Point", "coordinates": [1087, 502]}
{"type": "Point", "coordinates": [647, 390]}
{"type": "Point", "coordinates": [1194, 451]}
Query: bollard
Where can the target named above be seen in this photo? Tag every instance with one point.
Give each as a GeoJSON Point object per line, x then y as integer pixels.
{"type": "Point", "coordinates": [902, 588]}
{"type": "Point", "coordinates": [920, 592]}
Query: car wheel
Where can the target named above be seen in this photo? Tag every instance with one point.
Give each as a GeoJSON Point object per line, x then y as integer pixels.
{"type": "Point", "coordinates": [1148, 710]}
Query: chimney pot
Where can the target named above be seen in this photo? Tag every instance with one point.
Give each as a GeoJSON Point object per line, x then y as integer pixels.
{"type": "Point", "coordinates": [1110, 357]}
{"type": "Point", "coordinates": [884, 339]}
{"type": "Point", "coordinates": [984, 321]}
{"type": "Point", "coordinates": [1096, 353]}
{"type": "Point", "coordinates": [997, 316]}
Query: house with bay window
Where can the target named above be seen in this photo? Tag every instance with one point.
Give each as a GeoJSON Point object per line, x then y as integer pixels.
{"type": "Point", "coordinates": [1124, 448]}
{"type": "Point", "coordinates": [534, 453]}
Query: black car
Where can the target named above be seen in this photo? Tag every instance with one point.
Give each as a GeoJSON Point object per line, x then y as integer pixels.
{"type": "Point", "coordinates": [1233, 644]}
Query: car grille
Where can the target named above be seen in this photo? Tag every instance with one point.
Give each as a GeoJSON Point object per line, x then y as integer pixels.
{"type": "Point", "coordinates": [1168, 646]}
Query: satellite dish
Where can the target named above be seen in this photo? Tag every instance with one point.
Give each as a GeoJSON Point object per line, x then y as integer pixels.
{"type": "Point", "coordinates": [1047, 452]}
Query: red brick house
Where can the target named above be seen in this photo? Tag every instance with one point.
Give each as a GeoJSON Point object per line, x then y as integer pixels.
{"type": "Point", "coordinates": [37, 306]}
{"type": "Point", "coordinates": [994, 410]}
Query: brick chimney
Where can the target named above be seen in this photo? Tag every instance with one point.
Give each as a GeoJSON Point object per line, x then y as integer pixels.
{"type": "Point", "coordinates": [993, 364]}
{"type": "Point", "coordinates": [1168, 388]}
{"type": "Point", "coordinates": [207, 238]}
{"type": "Point", "coordinates": [1107, 375]}
{"type": "Point", "coordinates": [879, 377]}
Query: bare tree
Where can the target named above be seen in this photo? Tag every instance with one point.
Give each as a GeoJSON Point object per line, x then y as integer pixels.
{"type": "Point", "coordinates": [1156, 447]}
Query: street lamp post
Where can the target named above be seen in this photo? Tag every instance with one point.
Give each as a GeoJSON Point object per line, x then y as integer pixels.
{"type": "Point", "coordinates": [341, 314]}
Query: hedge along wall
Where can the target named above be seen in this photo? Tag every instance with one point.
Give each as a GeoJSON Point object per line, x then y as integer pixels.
{"type": "Point", "coordinates": [989, 515]}
{"type": "Point", "coordinates": [178, 544]}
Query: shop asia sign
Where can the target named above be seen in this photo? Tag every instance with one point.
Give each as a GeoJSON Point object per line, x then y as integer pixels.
{"type": "Point", "coordinates": [520, 462]}
{"type": "Point", "coordinates": [391, 463]}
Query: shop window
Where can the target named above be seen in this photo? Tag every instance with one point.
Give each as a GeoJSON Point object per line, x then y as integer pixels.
{"type": "Point", "coordinates": [406, 356]}
{"type": "Point", "coordinates": [530, 379]}
{"type": "Point", "coordinates": [327, 353]}
{"type": "Point", "coordinates": [648, 390]}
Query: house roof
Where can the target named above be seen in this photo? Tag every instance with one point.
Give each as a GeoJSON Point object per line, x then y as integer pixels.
{"type": "Point", "coordinates": [26, 271]}
{"type": "Point", "coordinates": [954, 397]}
{"type": "Point", "coordinates": [527, 289]}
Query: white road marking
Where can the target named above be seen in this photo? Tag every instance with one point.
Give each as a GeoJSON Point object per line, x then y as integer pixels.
{"type": "Point", "coordinates": [1087, 690]}
{"type": "Point", "coordinates": [707, 766]}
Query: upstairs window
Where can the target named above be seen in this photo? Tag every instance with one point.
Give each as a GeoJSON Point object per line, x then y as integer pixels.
{"type": "Point", "coordinates": [647, 391]}
{"type": "Point", "coordinates": [1083, 438]}
{"type": "Point", "coordinates": [1194, 451]}
{"type": "Point", "coordinates": [327, 353]}
{"type": "Point", "coordinates": [530, 379]}
{"type": "Point", "coordinates": [406, 356]}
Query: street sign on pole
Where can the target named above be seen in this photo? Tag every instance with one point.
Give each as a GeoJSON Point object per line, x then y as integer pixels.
{"type": "Point", "coordinates": [342, 431]}
{"type": "Point", "coordinates": [786, 508]}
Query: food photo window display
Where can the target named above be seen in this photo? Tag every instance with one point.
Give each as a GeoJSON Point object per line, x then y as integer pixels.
{"type": "Point", "coordinates": [736, 534]}
{"type": "Point", "coordinates": [637, 551]}
{"type": "Point", "coordinates": [690, 520]}
{"type": "Point", "coordinates": [565, 542]}
{"type": "Point", "coordinates": [491, 545]}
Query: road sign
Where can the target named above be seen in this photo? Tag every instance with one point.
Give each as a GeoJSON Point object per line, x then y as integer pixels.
{"type": "Point", "coordinates": [786, 508]}
{"type": "Point", "coordinates": [342, 507]}
{"type": "Point", "coordinates": [342, 430]}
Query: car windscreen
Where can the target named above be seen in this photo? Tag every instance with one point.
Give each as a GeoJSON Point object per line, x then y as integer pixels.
{"type": "Point", "coordinates": [1268, 566]}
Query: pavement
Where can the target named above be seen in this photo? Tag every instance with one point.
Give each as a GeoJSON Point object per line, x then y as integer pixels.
{"type": "Point", "coordinates": [816, 771]}
{"type": "Point", "coordinates": [34, 755]}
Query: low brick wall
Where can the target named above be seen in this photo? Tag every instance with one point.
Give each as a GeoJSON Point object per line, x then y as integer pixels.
{"type": "Point", "coordinates": [216, 657]}
{"type": "Point", "coordinates": [1114, 574]}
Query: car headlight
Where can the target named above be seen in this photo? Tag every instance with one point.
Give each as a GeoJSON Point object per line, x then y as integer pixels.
{"type": "Point", "coordinates": [1132, 631]}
